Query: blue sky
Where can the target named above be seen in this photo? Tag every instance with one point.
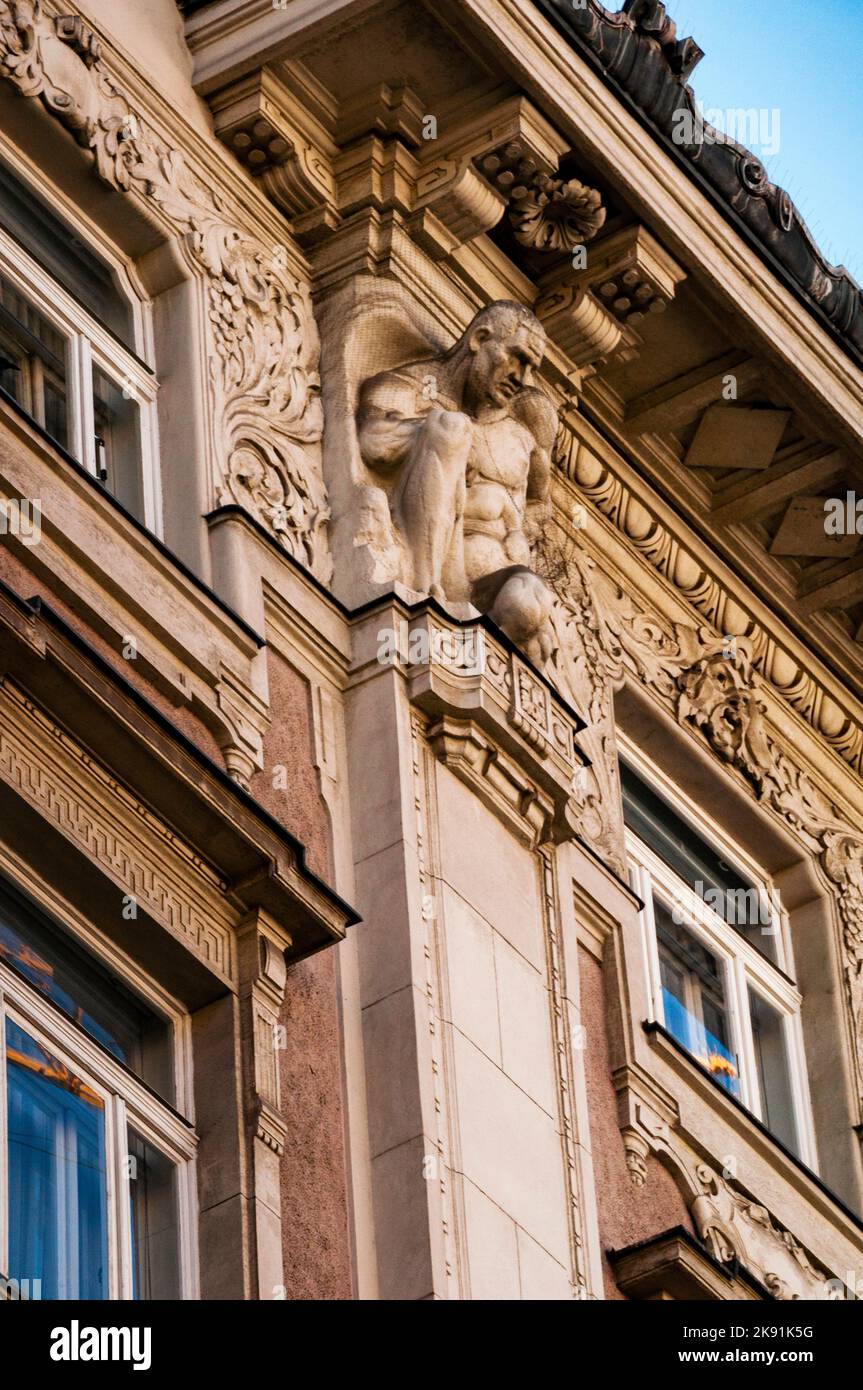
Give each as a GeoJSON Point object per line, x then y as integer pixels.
{"type": "Point", "coordinates": [804, 59]}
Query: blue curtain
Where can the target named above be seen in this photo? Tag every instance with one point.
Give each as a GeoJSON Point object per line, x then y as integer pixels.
{"type": "Point", "coordinates": [58, 1218]}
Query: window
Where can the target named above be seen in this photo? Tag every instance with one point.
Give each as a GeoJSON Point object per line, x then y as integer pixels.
{"type": "Point", "coordinates": [68, 343]}
{"type": "Point", "coordinates": [718, 959]}
{"type": "Point", "coordinates": [96, 1167]}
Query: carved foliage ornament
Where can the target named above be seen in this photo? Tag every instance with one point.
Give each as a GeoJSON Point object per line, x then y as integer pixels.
{"type": "Point", "coordinates": [268, 419]}
{"type": "Point", "coordinates": [547, 213]}
{"type": "Point", "coordinates": [712, 687]}
{"type": "Point", "coordinates": [554, 215]}
{"type": "Point", "coordinates": [738, 1230]}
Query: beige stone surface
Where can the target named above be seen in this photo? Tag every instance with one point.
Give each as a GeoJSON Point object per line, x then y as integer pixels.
{"type": "Point", "coordinates": [510, 1148]}
{"type": "Point", "coordinates": [488, 867]}
{"type": "Point", "coordinates": [470, 973]}
{"type": "Point", "coordinates": [492, 1247]}
{"type": "Point", "coordinates": [525, 1025]}
{"type": "Point", "coordinates": [541, 1277]}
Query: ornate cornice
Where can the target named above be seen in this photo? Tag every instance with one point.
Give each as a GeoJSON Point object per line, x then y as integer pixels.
{"type": "Point", "coordinates": [638, 50]}
{"type": "Point", "coordinates": [672, 558]}
{"type": "Point", "coordinates": [267, 420]}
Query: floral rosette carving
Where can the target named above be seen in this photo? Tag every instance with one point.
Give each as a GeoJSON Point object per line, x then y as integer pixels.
{"type": "Point", "coordinates": [553, 215]}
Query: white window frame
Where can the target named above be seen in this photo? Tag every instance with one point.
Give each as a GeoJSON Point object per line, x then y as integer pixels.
{"type": "Point", "coordinates": [742, 965]}
{"type": "Point", "coordinates": [89, 345]}
{"type": "Point", "coordinates": [127, 1102]}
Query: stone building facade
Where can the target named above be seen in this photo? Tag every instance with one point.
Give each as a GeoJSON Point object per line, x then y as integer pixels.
{"type": "Point", "coordinates": [431, 860]}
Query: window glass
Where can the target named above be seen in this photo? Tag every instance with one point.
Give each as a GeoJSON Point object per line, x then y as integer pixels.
{"type": "Point", "coordinates": [694, 997]}
{"type": "Point", "coordinates": [118, 441]}
{"type": "Point", "coordinates": [736, 900]}
{"type": "Point", "coordinates": [78, 985]}
{"type": "Point", "coordinates": [58, 1196]}
{"type": "Point", "coordinates": [69, 260]}
{"type": "Point", "coordinates": [771, 1064]}
{"type": "Point", "coordinates": [33, 362]}
{"type": "Point", "coordinates": [153, 1198]}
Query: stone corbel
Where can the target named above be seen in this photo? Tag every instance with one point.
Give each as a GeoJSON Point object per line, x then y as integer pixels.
{"type": "Point", "coordinates": [647, 1115]}
{"type": "Point", "coordinates": [240, 731]}
{"type": "Point", "coordinates": [593, 313]}
{"type": "Point", "coordinates": [284, 147]}
{"type": "Point", "coordinates": [631, 274]}
{"type": "Point", "coordinates": [504, 161]}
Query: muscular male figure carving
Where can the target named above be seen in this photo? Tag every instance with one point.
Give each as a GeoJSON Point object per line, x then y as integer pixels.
{"type": "Point", "coordinates": [471, 437]}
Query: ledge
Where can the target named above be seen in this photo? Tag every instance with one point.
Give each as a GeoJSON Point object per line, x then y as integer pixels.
{"type": "Point", "coordinates": [751, 1129]}
{"type": "Point", "coordinates": [639, 56]}
{"type": "Point", "coordinates": [674, 1265]}
{"type": "Point", "coordinates": [135, 774]}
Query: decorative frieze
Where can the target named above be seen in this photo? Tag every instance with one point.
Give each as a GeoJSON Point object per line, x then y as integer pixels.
{"type": "Point", "coordinates": [147, 861]}
{"type": "Point", "coordinates": [644, 530]}
{"type": "Point", "coordinates": [498, 725]}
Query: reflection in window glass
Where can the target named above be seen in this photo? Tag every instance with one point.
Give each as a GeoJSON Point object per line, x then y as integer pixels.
{"type": "Point", "coordinates": [96, 1001]}
{"type": "Point", "coordinates": [153, 1197]}
{"type": "Point", "coordinates": [771, 1064]}
{"type": "Point", "coordinates": [738, 902]}
{"type": "Point", "coordinates": [118, 441]}
{"type": "Point", "coordinates": [33, 362]}
{"type": "Point", "coordinates": [693, 997]}
{"type": "Point", "coordinates": [53, 243]}
{"type": "Point", "coordinates": [58, 1218]}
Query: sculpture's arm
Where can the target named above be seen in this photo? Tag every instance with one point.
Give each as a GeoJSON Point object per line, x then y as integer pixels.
{"type": "Point", "coordinates": [386, 422]}
{"type": "Point", "coordinates": [534, 409]}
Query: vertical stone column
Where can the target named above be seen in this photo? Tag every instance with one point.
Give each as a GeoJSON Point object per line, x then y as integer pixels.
{"type": "Point", "coordinates": [263, 972]}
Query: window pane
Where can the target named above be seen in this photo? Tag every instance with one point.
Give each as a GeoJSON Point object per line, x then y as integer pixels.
{"type": "Point", "coordinates": [85, 992]}
{"type": "Point", "coordinates": [153, 1195]}
{"type": "Point", "coordinates": [33, 362]}
{"type": "Point", "coordinates": [693, 998]}
{"type": "Point", "coordinates": [55, 246]}
{"type": "Point", "coordinates": [771, 1063]}
{"type": "Point", "coordinates": [738, 902]}
{"type": "Point", "coordinates": [58, 1200]}
{"type": "Point", "coordinates": [118, 442]}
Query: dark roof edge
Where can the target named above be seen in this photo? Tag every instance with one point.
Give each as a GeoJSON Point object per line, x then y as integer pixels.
{"type": "Point", "coordinates": [637, 51]}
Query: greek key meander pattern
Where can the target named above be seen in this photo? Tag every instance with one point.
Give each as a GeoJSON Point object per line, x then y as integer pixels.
{"type": "Point", "coordinates": [66, 786]}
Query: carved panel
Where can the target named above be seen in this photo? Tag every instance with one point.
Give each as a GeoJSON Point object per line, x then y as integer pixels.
{"type": "Point", "coordinates": [92, 810]}
{"type": "Point", "coordinates": [267, 420]}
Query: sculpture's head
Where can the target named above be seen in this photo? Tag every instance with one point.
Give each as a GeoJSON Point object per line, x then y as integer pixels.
{"type": "Point", "coordinates": [503, 345]}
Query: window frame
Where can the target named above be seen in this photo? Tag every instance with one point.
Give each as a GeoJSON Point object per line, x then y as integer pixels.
{"type": "Point", "coordinates": [89, 344]}
{"type": "Point", "coordinates": [128, 1101]}
{"type": "Point", "coordinates": [743, 966]}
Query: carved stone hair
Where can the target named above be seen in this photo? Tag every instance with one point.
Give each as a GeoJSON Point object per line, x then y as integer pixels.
{"type": "Point", "coordinates": [503, 315]}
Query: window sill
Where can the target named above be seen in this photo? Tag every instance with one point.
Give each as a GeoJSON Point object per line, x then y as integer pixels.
{"type": "Point", "coordinates": [749, 1128]}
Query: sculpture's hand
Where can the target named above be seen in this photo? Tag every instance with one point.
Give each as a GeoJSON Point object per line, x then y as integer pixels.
{"type": "Point", "coordinates": [386, 437]}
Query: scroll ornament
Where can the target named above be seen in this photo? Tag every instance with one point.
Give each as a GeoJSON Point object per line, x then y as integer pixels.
{"type": "Point", "coordinates": [268, 420]}
{"type": "Point", "coordinates": [712, 687]}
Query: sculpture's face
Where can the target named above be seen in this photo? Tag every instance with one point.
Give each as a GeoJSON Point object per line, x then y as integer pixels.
{"type": "Point", "coordinates": [503, 363]}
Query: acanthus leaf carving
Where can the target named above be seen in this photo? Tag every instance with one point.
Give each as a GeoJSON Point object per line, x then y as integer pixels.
{"type": "Point", "coordinates": [268, 420]}
{"type": "Point", "coordinates": [712, 686]}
